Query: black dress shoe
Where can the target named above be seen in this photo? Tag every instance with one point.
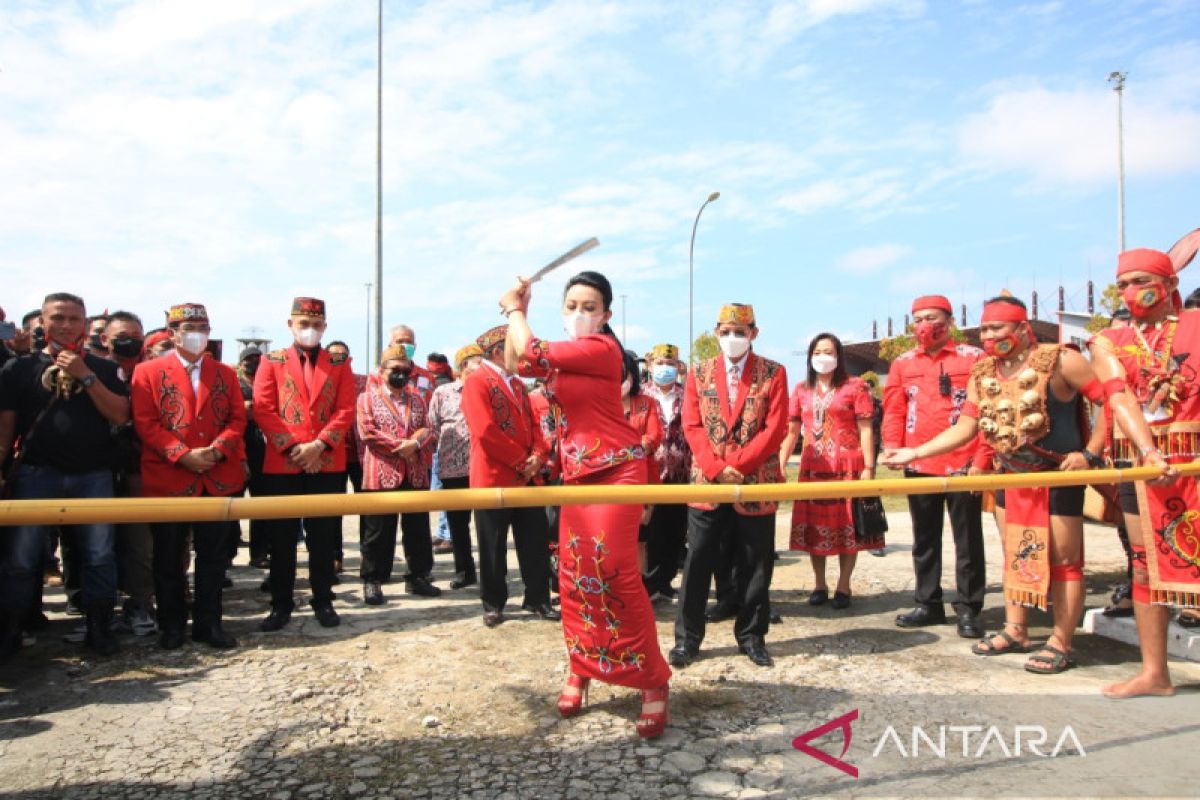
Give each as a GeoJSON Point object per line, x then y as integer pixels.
{"type": "Point", "coordinates": [463, 581]}
{"type": "Point", "coordinates": [275, 620]}
{"type": "Point", "coordinates": [213, 636]}
{"type": "Point", "coordinates": [968, 626]}
{"type": "Point", "coordinates": [818, 597]}
{"type": "Point", "coordinates": [492, 618]}
{"type": "Point", "coordinates": [681, 655]}
{"type": "Point", "coordinates": [420, 585]}
{"type": "Point", "coordinates": [171, 639]}
{"type": "Point", "coordinates": [756, 650]}
{"type": "Point", "coordinates": [326, 616]}
{"type": "Point", "coordinates": [840, 600]}
{"type": "Point", "coordinates": [372, 593]}
{"type": "Point", "coordinates": [921, 616]}
{"type": "Point", "coordinates": [544, 610]}
{"type": "Point", "coordinates": [721, 612]}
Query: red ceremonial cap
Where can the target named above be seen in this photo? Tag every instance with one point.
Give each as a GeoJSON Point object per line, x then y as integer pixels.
{"type": "Point", "coordinates": [932, 301]}
{"type": "Point", "coordinates": [1145, 259]}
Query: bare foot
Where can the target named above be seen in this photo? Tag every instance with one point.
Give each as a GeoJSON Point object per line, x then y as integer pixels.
{"type": "Point", "coordinates": [1140, 685]}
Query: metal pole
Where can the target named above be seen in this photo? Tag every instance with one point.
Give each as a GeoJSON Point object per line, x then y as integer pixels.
{"type": "Point", "coordinates": [1117, 79]}
{"type": "Point", "coordinates": [379, 190]}
{"type": "Point", "coordinates": [691, 275]}
{"type": "Point", "coordinates": [367, 354]}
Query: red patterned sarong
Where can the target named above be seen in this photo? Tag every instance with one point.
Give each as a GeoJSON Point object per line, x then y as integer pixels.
{"type": "Point", "coordinates": [607, 619]}
{"type": "Point", "coordinates": [1171, 530]}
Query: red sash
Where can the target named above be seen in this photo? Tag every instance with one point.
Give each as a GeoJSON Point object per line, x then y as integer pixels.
{"type": "Point", "coordinates": [1027, 546]}
{"type": "Point", "coordinates": [1171, 517]}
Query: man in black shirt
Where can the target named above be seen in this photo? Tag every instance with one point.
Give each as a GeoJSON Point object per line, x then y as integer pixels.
{"type": "Point", "coordinates": [60, 404]}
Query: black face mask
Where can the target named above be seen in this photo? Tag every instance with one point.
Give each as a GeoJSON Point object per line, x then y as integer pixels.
{"type": "Point", "coordinates": [95, 342]}
{"type": "Point", "coordinates": [251, 367]}
{"type": "Point", "coordinates": [126, 346]}
{"type": "Point", "coordinates": [39, 338]}
{"type": "Point", "coordinates": [397, 380]}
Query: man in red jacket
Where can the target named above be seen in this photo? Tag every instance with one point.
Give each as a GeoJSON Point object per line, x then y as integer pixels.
{"type": "Point", "coordinates": [188, 414]}
{"type": "Point", "coordinates": [734, 418]}
{"type": "Point", "coordinates": [925, 391]}
{"type": "Point", "coordinates": [304, 403]}
{"type": "Point", "coordinates": [507, 450]}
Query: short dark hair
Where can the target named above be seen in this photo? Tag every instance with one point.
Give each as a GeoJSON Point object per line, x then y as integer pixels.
{"type": "Point", "coordinates": [64, 297]}
{"type": "Point", "coordinates": [30, 315]}
{"type": "Point", "coordinates": [337, 342]}
{"type": "Point", "coordinates": [1193, 299]}
{"type": "Point", "coordinates": [125, 316]}
{"type": "Point", "coordinates": [629, 369]}
{"type": "Point", "coordinates": [1007, 298]}
{"type": "Point", "coordinates": [102, 317]}
{"type": "Point", "coordinates": [437, 358]}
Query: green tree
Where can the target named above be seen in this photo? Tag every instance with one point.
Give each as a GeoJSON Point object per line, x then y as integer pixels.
{"type": "Point", "coordinates": [896, 346]}
{"type": "Point", "coordinates": [705, 347]}
{"type": "Point", "coordinates": [1110, 301]}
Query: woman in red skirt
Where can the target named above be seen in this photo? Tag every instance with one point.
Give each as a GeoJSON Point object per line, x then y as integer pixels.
{"type": "Point", "coordinates": [833, 412]}
{"type": "Point", "coordinates": [607, 619]}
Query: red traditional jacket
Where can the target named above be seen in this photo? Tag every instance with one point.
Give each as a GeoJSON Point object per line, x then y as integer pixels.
{"type": "Point", "coordinates": [503, 431]}
{"type": "Point", "coordinates": [290, 415]}
{"type": "Point", "coordinates": [748, 435]}
{"type": "Point", "coordinates": [171, 419]}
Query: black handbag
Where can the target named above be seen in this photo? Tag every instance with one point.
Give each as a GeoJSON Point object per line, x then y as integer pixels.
{"type": "Point", "coordinates": [870, 522]}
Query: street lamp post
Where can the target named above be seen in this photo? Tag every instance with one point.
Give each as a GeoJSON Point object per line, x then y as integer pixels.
{"type": "Point", "coordinates": [691, 273]}
{"type": "Point", "coordinates": [379, 189]}
{"type": "Point", "coordinates": [1117, 79]}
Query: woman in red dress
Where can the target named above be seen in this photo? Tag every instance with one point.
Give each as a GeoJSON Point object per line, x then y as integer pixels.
{"type": "Point", "coordinates": [642, 413]}
{"type": "Point", "coordinates": [833, 412]}
{"type": "Point", "coordinates": [607, 619]}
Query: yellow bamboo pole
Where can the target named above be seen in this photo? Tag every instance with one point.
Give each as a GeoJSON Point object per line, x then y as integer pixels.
{"type": "Point", "coordinates": [213, 509]}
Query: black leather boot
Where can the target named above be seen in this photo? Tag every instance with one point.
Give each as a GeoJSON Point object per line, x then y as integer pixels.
{"type": "Point", "coordinates": [99, 629]}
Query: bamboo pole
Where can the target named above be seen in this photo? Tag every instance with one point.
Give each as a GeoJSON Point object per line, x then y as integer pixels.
{"type": "Point", "coordinates": [216, 509]}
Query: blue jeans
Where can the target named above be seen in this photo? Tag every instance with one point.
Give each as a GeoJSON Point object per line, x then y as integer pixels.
{"type": "Point", "coordinates": [435, 483]}
{"type": "Point", "coordinates": [22, 548]}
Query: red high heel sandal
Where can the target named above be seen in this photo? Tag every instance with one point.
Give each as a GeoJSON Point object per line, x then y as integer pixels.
{"type": "Point", "coordinates": [650, 724]}
{"type": "Point", "coordinates": [569, 704]}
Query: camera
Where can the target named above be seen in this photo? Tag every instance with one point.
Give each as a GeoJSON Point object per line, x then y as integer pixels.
{"type": "Point", "coordinates": [8, 331]}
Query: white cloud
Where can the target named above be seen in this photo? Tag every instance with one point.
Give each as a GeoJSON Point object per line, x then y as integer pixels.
{"type": "Point", "coordinates": [868, 260]}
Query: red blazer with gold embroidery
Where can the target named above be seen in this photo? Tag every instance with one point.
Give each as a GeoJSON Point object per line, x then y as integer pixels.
{"type": "Point", "coordinates": [748, 435]}
{"type": "Point", "coordinates": [503, 431]}
{"type": "Point", "coordinates": [171, 419]}
{"type": "Point", "coordinates": [289, 415]}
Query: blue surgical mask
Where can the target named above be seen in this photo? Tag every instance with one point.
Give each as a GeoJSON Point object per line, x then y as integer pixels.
{"type": "Point", "coordinates": [664, 374]}
{"type": "Point", "coordinates": [410, 350]}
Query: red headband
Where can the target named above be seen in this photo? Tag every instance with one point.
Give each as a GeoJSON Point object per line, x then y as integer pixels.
{"type": "Point", "coordinates": [932, 301]}
{"type": "Point", "coordinates": [1144, 259]}
{"type": "Point", "coordinates": [1003, 312]}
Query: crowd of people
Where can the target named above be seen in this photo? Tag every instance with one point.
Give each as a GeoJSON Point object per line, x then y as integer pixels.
{"type": "Point", "coordinates": [99, 407]}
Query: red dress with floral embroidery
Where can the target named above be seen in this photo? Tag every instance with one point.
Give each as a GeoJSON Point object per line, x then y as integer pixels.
{"type": "Point", "coordinates": [607, 619]}
{"type": "Point", "coordinates": [832, 452]}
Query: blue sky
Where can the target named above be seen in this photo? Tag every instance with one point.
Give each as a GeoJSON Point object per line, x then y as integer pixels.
{"type": "Point", "coordinates": [866, 151]}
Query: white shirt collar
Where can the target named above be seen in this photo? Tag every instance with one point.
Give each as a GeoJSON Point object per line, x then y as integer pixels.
{"type": "Point", "coordinates": [508, 376]}
{"type": "Point", "coordinates": [185, 362]}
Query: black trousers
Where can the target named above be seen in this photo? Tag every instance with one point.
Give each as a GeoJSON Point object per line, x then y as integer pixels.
{"type": "Point", "coordinates": [211, 541]}
{"type": "Point", "coordinates": [377, 543]}
{"type": "Point", "coordinates": [665, 535]}
{"type": "Point", "coordinates": [355, 475]}
{"type": "Point", "coordinates": [753, 544]}
{"type": "Point", "coordinates": [969, 565]}
{"type": "Point", "coordinates": [531, 538]}
{"type": "Point", "coordinates": [459, 523]}
{"type": "Point", "coordinates": [320, 537]}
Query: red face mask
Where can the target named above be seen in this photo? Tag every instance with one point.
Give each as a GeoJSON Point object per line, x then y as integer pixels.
{"type": "Point", "coordinates": [929, 334]}
{"type": "Point", "coordinates": [1144, 300]}
{"type": "Point", "coordinates": [1003, 346]}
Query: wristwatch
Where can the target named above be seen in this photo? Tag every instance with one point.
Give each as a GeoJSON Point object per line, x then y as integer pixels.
{"type": "Point", "coordinates": [87, 380]}
{"type": "Point", "coordinates": [1094, 461]}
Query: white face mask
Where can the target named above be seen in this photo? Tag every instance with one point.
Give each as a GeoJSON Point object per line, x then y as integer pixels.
{"type": "Point", "coordinates": [577, 324]}
{"type": "Point", "coordinates": [824, 364]}
{"type": "Point", "coordinates": [193, 341]}
{"type": "Point", "coordinates": [307, 337]}
{"type": "Point", "coordinates": [734, 346]}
